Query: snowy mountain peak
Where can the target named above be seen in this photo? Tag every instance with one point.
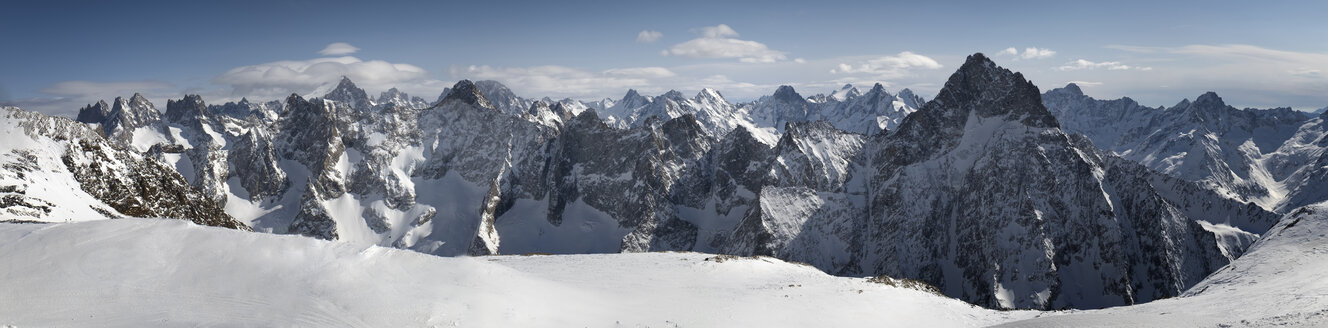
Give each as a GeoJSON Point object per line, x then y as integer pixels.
{"type": "Point", "coordinates": [910, 99]}
{"type": "Point", "coordinates": [709, 95]}
{"type": "Point", "coordinates": [466, 91]}
{"type": "Point", "coordinates": [501, 97]}
{"type": "Point", "coordinates": [844, 93]}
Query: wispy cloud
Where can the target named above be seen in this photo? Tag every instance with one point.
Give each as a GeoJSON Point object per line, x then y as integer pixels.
{"type": "Point", "coordinates": [721, 42]}
{"type": "Point", "coordinates": [267, 80]}
{"type": "Point", "coordinates": [105, 90]}
{"type": "Point", "coordinates": [1029, 53]}
{"type": "Point", "coordinates": [338, 49]}
{"type": "Point", "coordinates": [888, 67]}
{"type": "Point", "coordinates": [1083, 64]}
{"type": "Point", "coordinates": [648, 36]}
{"type": "Point", "coordinates": [1238, 52]}
{"type": "Point", "coordinates": [1243, 73]}
{"type": "Point", "coordinates": [655, 72]}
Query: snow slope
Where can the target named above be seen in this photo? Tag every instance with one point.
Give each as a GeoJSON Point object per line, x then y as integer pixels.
{"type": "Point", "coordinates": [135, 272]}
{"type": "Point", "coordinates": [1278, 282]}
{"type": "Point", "coordinates": [34, 184]}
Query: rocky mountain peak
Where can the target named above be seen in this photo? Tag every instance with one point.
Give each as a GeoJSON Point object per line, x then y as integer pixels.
{"type": "Point", "coordinates": [877, 88]}
{"type": "Point", "coordinates": [633, 99]}
{"type": "Point", "coordinates": [132, 113]}
{"type": "Point", "coordinates": [467, 92]}
{"type": "Point", "coordinates": [347, 92]}
{"type": "Point", "coordinates": [94, 113]}
{"type": "Point", "coordinates": [674, 95]}
{"type": "Point", "coordinates": [392, 93]}
{"type": "Point", "coordinates": [1209, 101]}
{"type": "Point", "coordinates": [191, 107]}
{"type": "Point", "coordinates": [990, 90]}
{"type": "Point", "coordinates": [539, 106]}
{"type": "Point", "coordinates": [120, 104]}
{"type": "Point", "coordinates": [1073, 89]}
{"type": "Point", "coordinates": [138, 101]}
{"type": "Point", "coordinates": [787, 94]}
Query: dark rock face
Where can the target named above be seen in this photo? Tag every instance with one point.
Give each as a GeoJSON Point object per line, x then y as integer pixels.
{"type": "Point", "coordinates": [186, 111]}
{"type": "Point", "coordinates": [94, 113]}
{"type": "Point", "coordinates": [255, 160]}
{"type": "Point", "coordinates": [312, 136]}
{"type": "Point", "coordinates": [142, 188]}
{"type": "Point", "coordinates": [466, 92]}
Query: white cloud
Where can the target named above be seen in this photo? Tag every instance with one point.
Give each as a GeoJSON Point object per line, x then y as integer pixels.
{"type": "Point", "coordinates": [1083, 64]}
{"type": "Point", "coordinates": [718, 31]}
{"type": "Point", "coordinates": [648, 36]}
{"type": "Point", "coordinates": [1029, 53]}
{"type": "Point", "coordinates": [280, 78]}
{"type": "Point", "coordinates": [888, 67]}
{"type": "Point", "coordinates": [720, 42]}
{"type": "Point", "coordinates": [1035, 53]}
{"type": "Point", "coordinates": [338, 49]}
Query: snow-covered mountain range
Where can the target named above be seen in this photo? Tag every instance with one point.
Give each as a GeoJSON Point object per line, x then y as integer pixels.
{"type": "Point", "coordinates": [987, 192]}
{"type": "Point", "coordinates": [1272, 157]}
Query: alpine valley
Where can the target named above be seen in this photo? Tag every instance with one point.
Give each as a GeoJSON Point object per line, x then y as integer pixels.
{"type": "Point", "coordinates": [992, 193]}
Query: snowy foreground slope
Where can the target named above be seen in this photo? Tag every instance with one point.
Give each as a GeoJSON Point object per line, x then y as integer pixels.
{"type": "Point", "coordinates": [134, 272]}
{"type": "Point", "coordinates": [1278, 282]}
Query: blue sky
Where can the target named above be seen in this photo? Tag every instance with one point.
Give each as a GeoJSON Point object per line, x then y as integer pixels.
{"type": "Point", "coordinates": [60, 55]}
